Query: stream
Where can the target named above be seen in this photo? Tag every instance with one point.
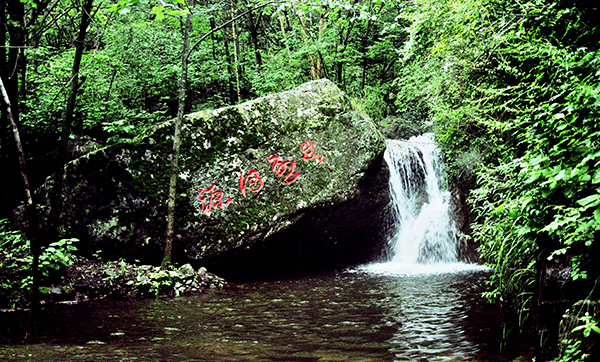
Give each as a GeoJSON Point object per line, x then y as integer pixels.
{"type": "Point", "coordinates": [357, 315]}
{"type": "Point", "coordinates": [423, 304]}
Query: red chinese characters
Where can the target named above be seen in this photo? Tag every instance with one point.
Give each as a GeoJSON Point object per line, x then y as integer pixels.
{"type": "Point", "coordinates": [214, 200]}
{"type": "Point", "coordinates": [280, 167]}
{"type": "Point", "coordinates": [309, 151]}
{"type": "Point", "coordinates": [251, 179]}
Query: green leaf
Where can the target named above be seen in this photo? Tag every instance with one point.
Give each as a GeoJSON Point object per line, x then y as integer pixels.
{"type": "Point", "coordinates": [498, 210]}
{"type": "Point", "coordinates": [596, 178]}
{"type": "Point", "coordinates": [589, 201]}
{"type": "Point", "coordinates": [158, 11]}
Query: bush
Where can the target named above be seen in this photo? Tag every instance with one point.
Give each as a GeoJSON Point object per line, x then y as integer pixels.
{"type": "Point", "coordinates": [15, 264]}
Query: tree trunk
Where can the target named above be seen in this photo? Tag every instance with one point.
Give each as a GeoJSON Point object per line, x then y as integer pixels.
{"type": "Point", "coordinates": [68, 125]}
{"type": "Point", "coordinates": [30, 207]}
{"type": "Point", "coordinates": [56, 198]}
{"type": "Point", "coordinates": [229, 66]}
{"type": "Point", "coordinates": [320, 57]}
{"type": "Point", "coordinates": [340, 48]}
{"type": "Point", "coordinates": [313, 69]}
{"type": "Point", "coordinates": [12, 24]}
{"type": "Point", "coordinates": [212, 38]}
{"type": "Point", "coordinates": [365, 60]}
{"type": "Point", "coordinates": [236, 55]}
{"type": "Point", "coordinates": [254, 37]}
{"type": "Point", "coordinates": [284, 36]}
{"type": "Point", "coordinates": [4, 134]}
{"type": "Point", "coordinates": [177, 138]}
{"type": "Point", "coordinates": [16, 30]}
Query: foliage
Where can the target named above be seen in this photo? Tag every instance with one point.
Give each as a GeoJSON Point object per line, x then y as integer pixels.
{"type": "Point", "coordinates": [57, 255]}
{"type": "Point", "coordinates": [158, 280]}
{"type": "Point", "coordinates": [511, 89]}
{"type": "Point", "coordinates": [16, 260]}
{"type": "Point", "coordinates": [574, 349]}
{"type": "Point", "coordinates": [516, 85]}
{"type": "Point", "coordinates": [15, 266]}
{"type": "Point", "coordinates": [127, 84]}
{"type": "Point", "coordinates": [589, 325]}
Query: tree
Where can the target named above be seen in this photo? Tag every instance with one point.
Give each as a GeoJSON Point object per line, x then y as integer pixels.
{"type": "Point", "coordinates": [177, 134]}
{"type": "Point", "coordinates": [185, 54]}
{"type": "Point", "coordinates": [67, 125]}
{"type": "Point", "coordinates": [30, 206]}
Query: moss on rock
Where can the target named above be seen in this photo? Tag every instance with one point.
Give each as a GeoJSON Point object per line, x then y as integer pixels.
{"type": "Point", "coordinates": [116, 196]}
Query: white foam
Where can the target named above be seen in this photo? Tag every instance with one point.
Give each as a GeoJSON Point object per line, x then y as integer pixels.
{"type": "Point", "coordinates": [392, 268]}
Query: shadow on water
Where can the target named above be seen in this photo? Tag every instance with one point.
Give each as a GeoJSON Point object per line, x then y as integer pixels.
{"type": "Point", "coordinates": [350, 316]}
{"type": "Point", "coordinates": [397, 311]}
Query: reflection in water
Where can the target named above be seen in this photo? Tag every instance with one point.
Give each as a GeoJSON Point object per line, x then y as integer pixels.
{"type": "Point", "coordinates": [421, 306]}
{"type": "Point", "coordinates": [352, 316]}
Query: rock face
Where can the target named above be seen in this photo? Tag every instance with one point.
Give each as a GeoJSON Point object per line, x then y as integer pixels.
{"type": "Point", "coordinates": [285, 183]}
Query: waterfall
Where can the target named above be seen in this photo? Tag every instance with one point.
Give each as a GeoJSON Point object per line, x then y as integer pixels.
{"type": "Point", "coordinates": [423, 231]}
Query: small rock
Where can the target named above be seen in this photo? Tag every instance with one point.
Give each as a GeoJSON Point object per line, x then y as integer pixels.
{"type": "Point", "coordinates": [186, 270]}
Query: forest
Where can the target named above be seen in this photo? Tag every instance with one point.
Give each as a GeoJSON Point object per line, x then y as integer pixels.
{"type": "Point", "coordinates": [510, 88]}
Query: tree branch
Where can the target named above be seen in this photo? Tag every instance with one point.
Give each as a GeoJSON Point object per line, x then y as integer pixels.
{"type": "Point", "coordinates": [227, 23]}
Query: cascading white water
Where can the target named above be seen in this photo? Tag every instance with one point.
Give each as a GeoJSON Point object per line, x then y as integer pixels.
{"type": "Point", "coordinates": [424, 239]}
{"type": "Point", "coordinates": [424, 230]}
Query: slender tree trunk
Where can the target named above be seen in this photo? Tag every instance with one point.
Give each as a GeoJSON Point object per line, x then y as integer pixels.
{"type": "Point", "coordinates": [56, 198]}
{"type": "Point", "coordinates": [212, 38]}
{"type": "Point", "coordinates": [236, 55]}
{"type": "Point", "coordinates": [4, 134]}
{"type": "Point", "coordinates": [320, 58]}
{"type": "Point", "coordinates": [313, 68]}
{"type": "Point", "coordinates": [229, 66]}
{"type": "Point", "coordinates": [16, 30]}
{"type": "Point", "coordinates": [365, 60]}
{"type": "Point", "coordinates": [12, 17]}
{"type": "Point", "coordinates": [284, 35]}
{"type": "Point", "coordinates": [68, 125]}
{"type": "Point", "coordinates": [30, 207]}
{"type": "Point", "coordinates": [340, 48]}
{"type": "Point", "coordinates": [254, 37]}
{"type": "Point", "coordinates": [177, 138]}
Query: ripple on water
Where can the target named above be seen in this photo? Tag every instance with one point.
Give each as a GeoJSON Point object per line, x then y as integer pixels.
{"type": "Point", "coordinates": [362, 315]}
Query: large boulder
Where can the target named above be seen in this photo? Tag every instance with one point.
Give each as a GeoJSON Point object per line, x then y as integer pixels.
{"type": "Point", "coordinates": [289, 182]}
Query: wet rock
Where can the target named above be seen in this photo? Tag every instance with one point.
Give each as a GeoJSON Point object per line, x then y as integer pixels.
{"type": "Point", "coordinates": [119, 280]}
{"type": "Point", "coordinates": [398, 128]}
{"type": "Point", "coordinates": [292, 181]}
{"type": "Point", "coordinates": [186, 271]}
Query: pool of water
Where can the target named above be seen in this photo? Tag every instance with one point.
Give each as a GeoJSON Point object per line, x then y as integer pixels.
{"type": "Point", "coordinates": [366, 314]}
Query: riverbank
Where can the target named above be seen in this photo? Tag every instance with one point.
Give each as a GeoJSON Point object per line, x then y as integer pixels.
{"type": "Point", "coordinates": [95, 280]}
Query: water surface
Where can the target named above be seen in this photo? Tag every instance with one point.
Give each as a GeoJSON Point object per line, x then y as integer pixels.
{"type": "Point", "coordinates": [361, 315]}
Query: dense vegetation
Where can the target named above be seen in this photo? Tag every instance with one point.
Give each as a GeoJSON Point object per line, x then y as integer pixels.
{"type": "Point", "coordinates": [511, 89]}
